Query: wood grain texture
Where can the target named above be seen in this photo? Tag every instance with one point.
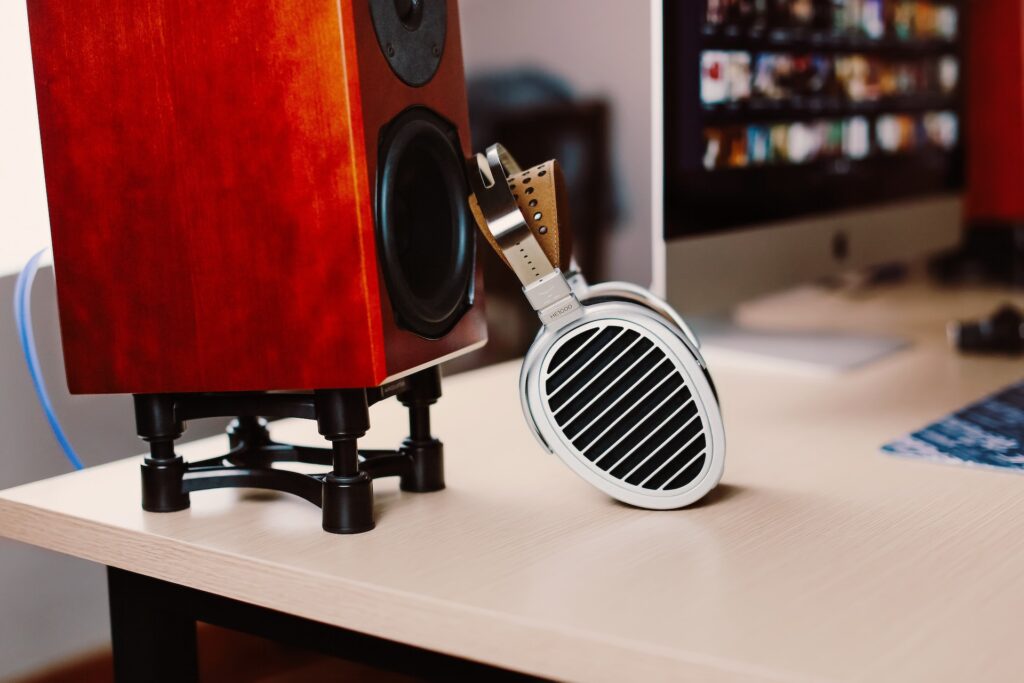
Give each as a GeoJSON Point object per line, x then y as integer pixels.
{"type": "Point", "coordinates": [210, 174]}
{"type": "Point", "coordinates": [819, 558]}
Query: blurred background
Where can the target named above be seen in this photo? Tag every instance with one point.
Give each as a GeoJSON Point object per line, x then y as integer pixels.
{"type": "Point", "coordinates": [716, 150]}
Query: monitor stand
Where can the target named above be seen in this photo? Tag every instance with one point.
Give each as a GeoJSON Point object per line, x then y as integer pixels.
{"type": "Point", "coordinates": [817, 351]}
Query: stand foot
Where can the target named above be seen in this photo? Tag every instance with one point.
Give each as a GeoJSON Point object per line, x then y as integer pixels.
{"type": "Point", "coordinates": [162, 471]}
{"type": "Point", "coordinates": [426, 454]}
{"type": "Point", "coordinates": [342, 417]}
{"type": "Point", "coordinates": [348, 504]}
{"type": "Point", "coordinates": [162, 485]}
{"type": "Point", "coordinates": [426, 470]}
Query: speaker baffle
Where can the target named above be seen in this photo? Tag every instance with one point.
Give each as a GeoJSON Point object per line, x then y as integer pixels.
{"type": "Point", "coordinates": [411, 34]}
{"type": "Point", "coordinates": [425, 235]}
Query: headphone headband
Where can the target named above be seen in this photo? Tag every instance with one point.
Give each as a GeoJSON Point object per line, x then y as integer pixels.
{"type": "Point", "coordinates": [503, 224]}
{"type": "Point", "coordinates": [503, 220]}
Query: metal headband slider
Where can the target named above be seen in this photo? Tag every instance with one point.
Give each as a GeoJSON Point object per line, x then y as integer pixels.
{"type": "Point", "coordinates": [553, 299]}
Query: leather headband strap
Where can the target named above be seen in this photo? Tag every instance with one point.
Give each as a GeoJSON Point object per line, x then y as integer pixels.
{"type": "Point", "coordinates": [520, 213]}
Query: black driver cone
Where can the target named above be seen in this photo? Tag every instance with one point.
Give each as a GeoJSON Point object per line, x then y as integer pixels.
{"type": "Point", "coordinates": [424, 225]}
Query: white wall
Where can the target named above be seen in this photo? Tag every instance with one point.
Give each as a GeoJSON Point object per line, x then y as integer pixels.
{"type": "Point", "coordinates": [24, 227]}
{"type": "Point", "coordinates": [602, 48]}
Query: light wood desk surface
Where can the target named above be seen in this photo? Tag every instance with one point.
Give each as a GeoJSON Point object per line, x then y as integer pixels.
{"type": "Point", "coordinates": [818, 559]}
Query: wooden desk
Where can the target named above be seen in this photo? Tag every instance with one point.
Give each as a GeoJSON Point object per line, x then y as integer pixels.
{"type": "Point", "coordinates": [819, 558]}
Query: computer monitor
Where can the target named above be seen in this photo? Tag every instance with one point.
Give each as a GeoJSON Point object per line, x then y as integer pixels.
{"type": "Point", "coordinates": [798, 138]}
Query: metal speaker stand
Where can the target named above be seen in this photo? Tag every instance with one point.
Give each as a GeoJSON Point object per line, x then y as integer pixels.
{"type": "Point", "coordinates": [344, 493]}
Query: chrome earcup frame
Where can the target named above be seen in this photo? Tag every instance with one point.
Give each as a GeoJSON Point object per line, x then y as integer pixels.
{"type": "Point", "coordinates": [568, 307]}
{"type": "Point", "coordinates": [677, 348]}
{"type": "Point", "coordinates": [627, 291]}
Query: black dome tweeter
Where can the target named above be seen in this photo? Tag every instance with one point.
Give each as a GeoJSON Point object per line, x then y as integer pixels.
{"type": "Point", "coordinates": [410, 13]}
{"type": "Point", "coordinates": [425, 230]}
{"type": "Point", "coordinates": [411, 34]}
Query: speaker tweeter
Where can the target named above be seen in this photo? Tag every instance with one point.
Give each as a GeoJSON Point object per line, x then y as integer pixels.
{"type": "Point", "coordinates": [411, 34]}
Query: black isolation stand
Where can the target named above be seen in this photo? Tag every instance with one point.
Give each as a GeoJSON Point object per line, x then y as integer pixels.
{"type": "Point", "coordinates": [345, 493]}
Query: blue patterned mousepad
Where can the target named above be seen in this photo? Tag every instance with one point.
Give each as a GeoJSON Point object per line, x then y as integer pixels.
{"type": "Point", "coordinates": [989, 433]}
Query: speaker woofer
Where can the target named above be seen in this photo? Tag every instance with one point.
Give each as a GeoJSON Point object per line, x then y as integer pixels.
{"type": "Point", "coordinates": [425, 228]}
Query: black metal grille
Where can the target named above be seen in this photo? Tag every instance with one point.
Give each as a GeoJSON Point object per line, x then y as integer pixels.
{"type": "Point", "coordinates": [622, 403]}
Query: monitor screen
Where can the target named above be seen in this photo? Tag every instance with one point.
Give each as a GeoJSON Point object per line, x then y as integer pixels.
{"type": "Point", "coordinates": [777, 109]}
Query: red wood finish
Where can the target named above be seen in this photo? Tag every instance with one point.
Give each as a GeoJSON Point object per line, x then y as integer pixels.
{"type": "Point", "coordinates": [995, 153]}
{"type": "Point", "coordinates": [210, 174]}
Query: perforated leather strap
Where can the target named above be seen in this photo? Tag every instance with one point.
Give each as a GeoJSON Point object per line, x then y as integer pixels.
{"type": "Point", "coordinates": [530, 206]}
{"type": "Point", "coordinates": [519, 213]}
{"type": "Point", "coordinates": [540, 194]}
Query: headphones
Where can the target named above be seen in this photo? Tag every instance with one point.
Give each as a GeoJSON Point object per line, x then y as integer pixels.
{"type": "Point", "coordinates": [614, 383]}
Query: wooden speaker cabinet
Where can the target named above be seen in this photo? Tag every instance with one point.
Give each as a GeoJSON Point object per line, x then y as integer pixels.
{"type": "Point", "coordinates": [256, 195]}
{"type": "Point", "coordinates": [259, 209]}
{"type": "Point", "coordinates": [995, 102]}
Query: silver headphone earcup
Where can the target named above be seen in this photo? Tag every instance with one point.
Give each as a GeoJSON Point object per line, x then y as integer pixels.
{"type": "Point", "coordinates": [622, 398]}
{"type": "Point", "coordinates": [627, 291]}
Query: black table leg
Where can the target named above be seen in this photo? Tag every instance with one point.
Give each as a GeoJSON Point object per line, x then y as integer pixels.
{"type": "Point", "coordinates": [152, 641]}
{"type": "Point", "coordinates": [154, 632]}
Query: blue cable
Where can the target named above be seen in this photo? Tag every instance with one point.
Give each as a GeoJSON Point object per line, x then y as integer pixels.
{"type": "Point", "coordinates": [23, 320]}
